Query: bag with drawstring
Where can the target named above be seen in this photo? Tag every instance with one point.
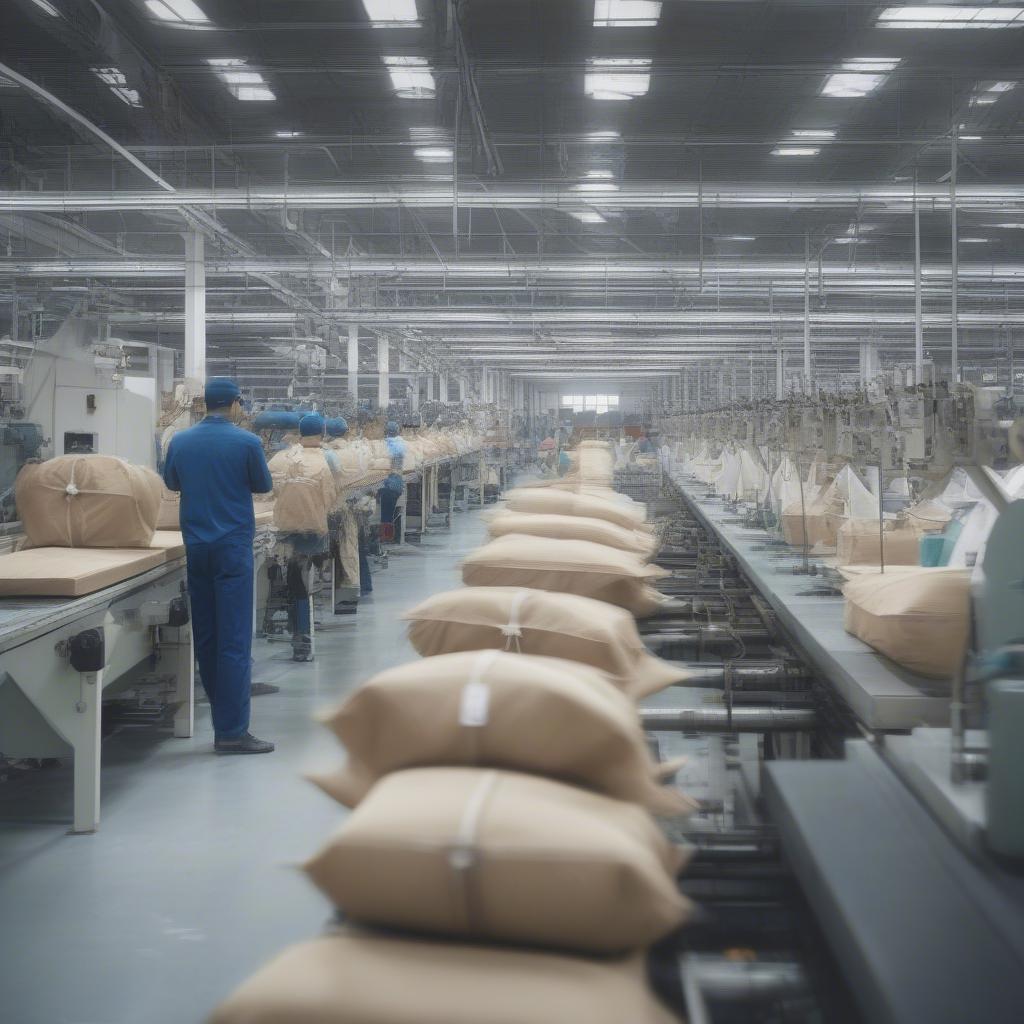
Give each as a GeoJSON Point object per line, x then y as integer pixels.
{"type": "Point", "coordinates": [498, 856]}
{"type": "Point", "coordinates": [567, 567]}
{"type": "Point", "coordinates": [492, 708]}
{"type": "Point", "coordinates": [88, 501]}
{"type": "Point", "coordinates": [359, 976]}
{"type": "Point", "coordinates": [566, 626]}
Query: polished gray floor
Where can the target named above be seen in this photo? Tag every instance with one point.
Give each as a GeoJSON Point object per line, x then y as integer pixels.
{"type": "Point", "coordinates": [191, 882]}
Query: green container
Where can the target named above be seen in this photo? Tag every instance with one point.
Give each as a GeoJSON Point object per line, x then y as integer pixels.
{"type": "Point", "coordinates": [932, 547]}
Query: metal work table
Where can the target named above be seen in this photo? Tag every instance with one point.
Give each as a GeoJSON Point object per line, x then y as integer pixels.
{"type": "Point", "coordinates": [137, 640]}
{"type": "Point", "coordinates": [922, 931]}
{"type": "Point", "coordinates": [882, 695]}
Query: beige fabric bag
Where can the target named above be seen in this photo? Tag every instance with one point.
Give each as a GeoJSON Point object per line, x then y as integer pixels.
{"type": "Point", "coordinates": [857, 543]}
{"type": "Point", "coordinates": [566, 503]}
{"type": "Point", "coordinates": [498, 856]}
{"type": "Point", "coordinates": [493, 709]}
{"type": "Point", "coordinates": [88, 501]}
{"type": "Point", "coordinates": [919, 619]}
{"type": "Point", "coordinates": [540, 622]}
{"type": "Point", "coordinates": [566, 567]}
{"type": "Point", "coordinates": [363, 977]}
{"type": "Point", "coordinates": [304, 489]}
{"type": "Point", "coordinates": [598, 531]}
{"type": "Point", "coordinates": [170, 508]}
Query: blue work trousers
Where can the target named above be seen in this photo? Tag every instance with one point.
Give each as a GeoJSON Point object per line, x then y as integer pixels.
{"type": "Point", "coordinates": [220, 588]}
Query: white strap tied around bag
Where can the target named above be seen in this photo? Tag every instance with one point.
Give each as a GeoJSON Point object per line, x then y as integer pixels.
{"type": "Point", "coordinates": [462, 857]}
{"type": "Point", "coordinates": [474, 707]}
{"type": "Point", "coordinates": [513, 630]}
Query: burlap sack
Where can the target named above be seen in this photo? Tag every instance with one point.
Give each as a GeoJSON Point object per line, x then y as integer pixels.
{"type": "Point", "coordinates": [363, 977]}
{"type": "Point", "coordinates": [544, 716]}
{"type": "Point", "coordinates": [598, 531]}
{"type": "Point", "coordinates": [304, 489]}
{"type": "Point", "coordinates": [566, 503]}
{"type": "Point", "coordinates": [540, 622]}
{"type": "Point", "coordinates": [88, 501]}
{"type": "Point", "coordinates": [498, 856]}
{"type": "Point", "coordinates": [566, 567]}
{"type": "Point", "coordinates": [857, 543]}
{"type": "Point", "coordinates": [919, 619]}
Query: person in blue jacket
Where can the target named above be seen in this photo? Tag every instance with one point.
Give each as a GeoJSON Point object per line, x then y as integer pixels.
{"type": "Point", "coordinates": [218, 467]}
{"type": "Point", "coordinates": [394, 486]}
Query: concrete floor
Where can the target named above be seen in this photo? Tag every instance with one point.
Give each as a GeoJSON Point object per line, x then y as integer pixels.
{"type": "Point", "coordinates": [191, 882]}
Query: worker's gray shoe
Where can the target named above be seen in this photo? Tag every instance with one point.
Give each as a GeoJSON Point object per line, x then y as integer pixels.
{"type": "Point", "coordinates": [244, 744]}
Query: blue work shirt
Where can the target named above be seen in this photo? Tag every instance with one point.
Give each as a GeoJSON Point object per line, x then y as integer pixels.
{"type": "Point", "coordinates": [217, 467]}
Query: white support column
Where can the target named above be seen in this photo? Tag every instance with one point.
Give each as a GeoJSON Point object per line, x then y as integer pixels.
{"type": "Point", "coordinates": [462, 390]}
{"type": "Point", "coordinates": [442, 388]}
{"type": "Point", "coordinates": [353, 361]}
{"type": "Point", "coordinates": [918, 322]}
{"type": "Point", "coordinates": [383, 373]}
{"type": "Point", "coordinates": [195, 306]}
{"type": "Point", "coordinates": [807, 314]}
{"type": "Point", "coordinates": [414, 391]}
{"type": "Point", "coordinates": [780, 371]}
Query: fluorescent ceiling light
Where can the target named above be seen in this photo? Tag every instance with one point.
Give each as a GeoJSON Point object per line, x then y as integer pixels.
{"type": "Point", "coordinates": [600, 175]}
{"type": "Point", "coordinates": [737, 238]}
{"type": "Point", "coordinates": [814, 133]}
{"type": "Point", "coordinates": [385, 13]}
{"type": "Point", "coordinates": [617, 78]}
{"type": "Point", "coordinates": [183, 12]}
{"type": "Point", "coordinates": [596, 186]}
{"type": "Point", "coordinates": [974, 241]}
{"type": "Point", "coordinates": [587, 216]}
{"type": "Point", "coordinates": [626, 13]}
{"type": "Point", "coordinates": [118, 85]}
{"type": "Point", "coordinates": [1013, 225]}
{"type": "Point", "coordinates": [970, 138]}
{"type": "Point", "coordinates": [44, 5]}
{"type": "Point", "coordinates": [434, 154]}
{"type": "Point", "coordinates": [7, 83]}
{"type": "Point", "coordinates": [984, 100]}
{"type": "Point", "coordinates": [937, 16]}
{"type": "Point", "coordinates": [848, 240]}
{"type": "Point", "coordinates": [859, 76]}
{"type": "Point", "coordinates": [603, 136]}
{"type": "Point", "coordinates": [411, 77]}
{"type": "Point", "coordinates": [242, 83]}
{"type": "Point", "coordinates": [795, 151]}
{"type": "Point", "coordinates": [1000, 87]}
{"type": "Point", "coordinates": [288, 135]}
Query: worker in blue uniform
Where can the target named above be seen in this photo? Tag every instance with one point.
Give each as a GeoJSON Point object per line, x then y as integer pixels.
{"type": "Point", "coordinates": [394, 486]}
{"type": "Point", "coordinates": [218, 467]}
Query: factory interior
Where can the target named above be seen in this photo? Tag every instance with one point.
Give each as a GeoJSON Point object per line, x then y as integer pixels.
{"type": "Point", "coordinates": [511, 512]}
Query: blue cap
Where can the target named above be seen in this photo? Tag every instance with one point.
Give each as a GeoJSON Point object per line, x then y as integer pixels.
{"type": "Point", "coordinates": [393, 429]}
{"type": "Point", "coordinates": [221, 392]}
{"type": "Point", "coordinates": [311, 425]}
{"type": "Point", "coordinates": [337, 426]}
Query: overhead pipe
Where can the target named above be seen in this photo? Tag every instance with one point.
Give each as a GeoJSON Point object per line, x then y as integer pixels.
{"type": "Point", "coordinates": [728, 720]}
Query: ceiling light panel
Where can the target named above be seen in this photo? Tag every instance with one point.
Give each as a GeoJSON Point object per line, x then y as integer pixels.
{"type": "Point", "coordinates": [795, 151]}
{"type": "Point", "coordinates": [434, 154]}
{"type": "Point", "coordinates": [411, 77]}
{"type": "Point", "coordinates": [587, 216]}
{"type": "Point", "coordinates": [608, 136]}
{"type": "Point", "coordinates": [859, 76]}
{"type": "Point", "coordinates": [45, 5]}
{"type": "Point", "coordinates": [391, 13]}
{"type": "Point", "coordinates": [243, 83]}
{"type": "Point", "coordinates": [626, 13]}
{"type": "Point", "coordinates": [181, 12]}
{"type": "Point", "coordinates": [118, 85]}
{"type": "Point", "coordinates": [617, 78]}
{"type": "Point", "coordinates": [936, 16]}
{"type": "Point", "coordinates": [823, 134]}
{"type": "Point", "coordinates": [288, 135]}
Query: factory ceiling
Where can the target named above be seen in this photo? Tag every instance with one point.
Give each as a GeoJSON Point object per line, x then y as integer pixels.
{"type": "Point", "coordinates": [515, 182]}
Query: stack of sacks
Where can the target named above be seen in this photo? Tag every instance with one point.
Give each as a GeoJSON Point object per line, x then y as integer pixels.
{"type": "Point", "coordinates": [608, 506]}
{"type": "Point", "coordinates": [569, 567]}
{"type": "Point", "coordinates": [845, 498]}
{"type": "Point", "coordinates": [598, 531]}
{"type": "Point", "coordinates": [539, 622]}
{"type": "Point", "coordinates": [917, 617]}
{"type": "Point", "coordinates": [88, 501]}
{"type": "Point", "coordinates": [500, 801]}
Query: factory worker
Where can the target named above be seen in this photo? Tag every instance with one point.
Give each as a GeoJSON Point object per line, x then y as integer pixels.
{"type": "Point", "coordinates": [394, 486]}
{"type": "Point", "coordinates": [218, 467]}
{"type": "Point", "coordinates": [305, 492]}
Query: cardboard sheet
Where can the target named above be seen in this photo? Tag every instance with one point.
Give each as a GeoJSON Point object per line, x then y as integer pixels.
{"type": "Point", "coordinates": [72, 572]}
{"type": "Point", "coordinates": [169, 541]}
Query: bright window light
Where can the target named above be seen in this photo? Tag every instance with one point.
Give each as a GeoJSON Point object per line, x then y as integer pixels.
{"type": "Point", "coordinates": [44, 5]}
{"type": "Point", "coordinates": [795, 151]}
{"type": "Point", "coordinates": [183, 12]}
{"type": "Point", "coordinates": [587, 216]}
{"type": "Point", "coordinates": [288, 135]}
{"type": "Point", "coordinates": [814, 133]}
{"type": "Point", "coordinates": [936, 16]}
{"type": "Point", "coordinates": [617, 78]}
{"type": "Point", "coordinates": [434, 154]}
{"type": "Point", "coordinates": [411, 77]}
{"type": "Point", "coordinates": [385, 13]}
{"type": "Point", "coordinates": [626, 13]}
{"type": "Point", "coordinates": [118, 85]}
{"type": "Point", "coordinates": [859, 76]}
{"type": "Point", "coordinates": [242, 83]}
{"type": "Point", "coordinates": [590, 403]}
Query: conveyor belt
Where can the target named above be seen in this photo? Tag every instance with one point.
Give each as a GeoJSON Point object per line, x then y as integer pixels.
{"type": "Point", "coordinates": [24, 618]}
{"type": "Point", "coordinates": [881, 694]}
{"type": "Point", "coordinates": [922, 932]}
